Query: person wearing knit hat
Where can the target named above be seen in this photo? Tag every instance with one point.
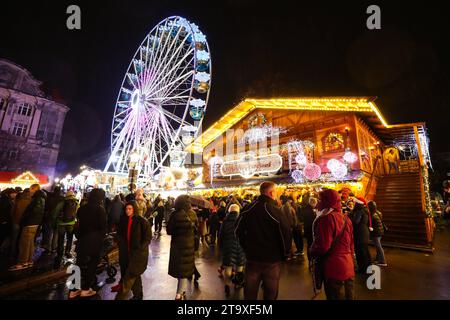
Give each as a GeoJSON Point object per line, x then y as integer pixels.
{"type": "Point", "coordinates": [233, 256]}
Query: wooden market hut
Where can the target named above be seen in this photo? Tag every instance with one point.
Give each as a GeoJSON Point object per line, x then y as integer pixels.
{"type": "Point", "coordinates": [333, 127]}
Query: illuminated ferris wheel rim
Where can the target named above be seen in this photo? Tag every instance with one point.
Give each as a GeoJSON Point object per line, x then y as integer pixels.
{"type": "Point", "coordinates": [153, 96]}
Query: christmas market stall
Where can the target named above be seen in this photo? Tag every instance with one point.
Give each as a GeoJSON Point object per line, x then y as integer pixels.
{"type": "Point", "coordinates": [307, 144]}
{"type": "Point", "coordinates": [22, 180]}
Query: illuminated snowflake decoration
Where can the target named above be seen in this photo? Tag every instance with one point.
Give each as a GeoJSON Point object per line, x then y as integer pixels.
{"type": "Point", "coordinates": [338, 169]}
{"type": "Point", "coordinates": [297, 175]}
{"type": "Point", "coordinates": [258, 134]}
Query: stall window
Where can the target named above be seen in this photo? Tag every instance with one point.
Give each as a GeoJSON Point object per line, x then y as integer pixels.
{"type": "Point", "coordinates": [333, 141]}
{"type": "Point", "coordinates": [13, 154]}
{"type": "Point", "coordinates": [3, 104]}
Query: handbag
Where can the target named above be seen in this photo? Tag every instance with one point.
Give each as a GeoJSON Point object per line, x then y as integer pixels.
{"type": "Point", "coordinates": [317, 264]}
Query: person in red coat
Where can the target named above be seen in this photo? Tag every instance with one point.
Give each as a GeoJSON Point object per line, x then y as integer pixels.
{"type": "Point", "coordinates": [339, 269]}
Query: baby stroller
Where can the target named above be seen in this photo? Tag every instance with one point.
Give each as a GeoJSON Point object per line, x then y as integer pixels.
{"type": "Point", "coordinates": [109, 245]}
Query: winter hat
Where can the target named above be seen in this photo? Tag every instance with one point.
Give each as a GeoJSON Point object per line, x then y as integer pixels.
{"type": "Point", "coordinates": [234, 208]}
{"type": "Point", "coordinates": [329, 198]}
{"type": "Point", "coordinates": [360, 200]}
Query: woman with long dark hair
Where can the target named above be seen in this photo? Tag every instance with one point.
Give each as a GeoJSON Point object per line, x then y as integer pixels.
{"type": "Point", "coordinates": [134, 236]}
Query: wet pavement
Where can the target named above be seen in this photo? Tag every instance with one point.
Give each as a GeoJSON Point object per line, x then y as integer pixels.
{"type": "Point", "coordinates": [410, 275]}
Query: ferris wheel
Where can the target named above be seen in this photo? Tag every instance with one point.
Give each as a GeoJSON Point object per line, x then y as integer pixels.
{"type": "Point", "coordinates": [162, 99]}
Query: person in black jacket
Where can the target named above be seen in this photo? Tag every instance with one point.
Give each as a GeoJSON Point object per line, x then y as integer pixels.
{"type": "Point", "coordinates": [377, 233]}
{"type": "Point", "coordinates": [92, 227]}
{"type": "Point", "coordinates": [134, 237]}
{"type": "Point", "coordinates": [53, 207]}
{"type": "Point", "coordinates": [6, 206]}
{"type": "Point", "coordinates": [182, 247]}
{"type": "Point", "coordinates": [264, 234]}
{"type": "Point", "coordinates": [360, 221]}
{"type": "Point", "coordinates": [308, 215]}
{"type": "Point", "coordinates": [233, 256]}
{"type": "Point", "coordinates": [159, 216]}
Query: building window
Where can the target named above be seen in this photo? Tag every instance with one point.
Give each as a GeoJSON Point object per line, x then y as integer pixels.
{"type": "Point", "coordinates": [19, 129]}
{"type": "Point", "coordinates": [334, 141]}
{"type": "Point", "coordinates": [13, 154]}
{"type": "Point", "coordinates": [3, 104]}
{"type": "Point", "coordinates": [25, 109]}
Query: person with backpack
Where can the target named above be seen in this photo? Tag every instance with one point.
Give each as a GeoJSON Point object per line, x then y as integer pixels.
{"type": "Point", "coordinates": [53, 207]}
{"type": "Point", "coordinates": [333, 247]}
{"type": "Point", "coordinates": [65, 226]}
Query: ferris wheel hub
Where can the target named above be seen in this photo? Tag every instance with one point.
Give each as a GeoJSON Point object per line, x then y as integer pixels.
{"type": "Point", "coordinates": [137, 98]}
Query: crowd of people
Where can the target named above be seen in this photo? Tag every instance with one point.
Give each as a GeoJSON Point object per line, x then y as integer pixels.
{"type": "Point", "coordinates": [254, 234]}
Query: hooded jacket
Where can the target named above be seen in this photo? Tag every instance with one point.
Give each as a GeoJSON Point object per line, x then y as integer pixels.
{"type": "Point", "coordinates": [360, 220]}
{"type": "Point", "coordinates": [182, 246]}
{"type": "Point", "coordinates": [232, 252]}
{"type": "Point", "coordinates": [92, 224]}
{"type": "Point", "coordinates": [339, 264]}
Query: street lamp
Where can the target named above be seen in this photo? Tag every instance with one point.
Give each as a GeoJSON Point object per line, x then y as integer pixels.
{"type": "Point", "coordinates": [132, 175]}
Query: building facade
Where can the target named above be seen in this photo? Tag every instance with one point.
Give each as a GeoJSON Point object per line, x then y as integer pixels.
{"type": "Point", "coordinates": [31, 123]}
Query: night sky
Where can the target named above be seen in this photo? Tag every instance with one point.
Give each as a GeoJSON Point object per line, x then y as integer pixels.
{"type": "Point", "coordinates": [259, 49]}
